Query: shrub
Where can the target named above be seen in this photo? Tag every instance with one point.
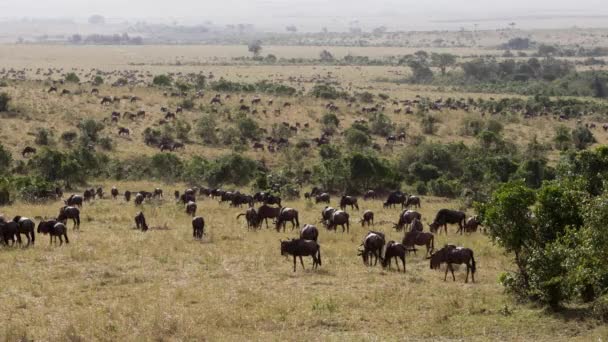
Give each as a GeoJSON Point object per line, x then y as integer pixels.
{"type": "Point", "coordinates": [182, 129]}
{"type": "Point", "coordinates": [97, 81]}
{"type": "Point", "coordinates": [356, 138]}
{"type": "Point", "coordinates": [248, 128]}
{"type": "Point", "coordinates": [231, 169]}
{"type": "Point", "coordinates": [562, 138]}
{"type": "Point", "coordinates": [327, 92]}
{"type": "Point", "coordinates": [6, 160]}
{"type": "Point", "coordinates": [106, 143]}
{"type": "Point", "coordinates": [43, 137]}
{"type": "Point", "coordinates": [72, 78]}
{"type": "Point", "coordinates": [429, 124]}
{"type": "Point", "coordinates": [162, 81]}
{"type": "Point", "coordinates": [4, 102]}
{"type": "Point", "coordinates": [90, 129]}
{"type": "Point", "coordinates": [471, 126]}
{"type": "Point", "coordinates": [381, 125]}
{"type": "Point", "coordinates": [166, 166]}
{"type": "Point", "coordinates": [366, 97]}
{"type": "Point", "coordinates": [582, 137]}
{"type": "Point", "coordinates": [205, 129]}
{"type": "Point", "coordinates": [187, 104]}
{"type": "Point", "coordinates": [330, 120]}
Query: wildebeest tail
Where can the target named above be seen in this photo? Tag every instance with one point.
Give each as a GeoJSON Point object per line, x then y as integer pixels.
{"type": "Point", "coordinates": [239, 215]}
{"type": "Point", "coordinates": [297, 220]}
{"type": "Point", "coordinates": [473, 267]}
{"type": "Point", "coordinates": [78, 220]}
{"type": "Point", "coordinates": [319, 254]}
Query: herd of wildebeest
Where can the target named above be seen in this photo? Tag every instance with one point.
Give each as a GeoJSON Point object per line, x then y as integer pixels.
{"type": "Point", "coordinates": [372, 249]}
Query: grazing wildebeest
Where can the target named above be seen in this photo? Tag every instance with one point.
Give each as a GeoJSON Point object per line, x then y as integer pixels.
{"type": "Point", "coordinates": [368, 217]}
{"type": "Point", "coordinates": [140, 222]}
{"type": "Point", "coordinates": [198, 227]}
{"type": "Point", "coordinates": [106, 100]}
{"type": "Point", "coordinates": [271, 199]}
{"type": "Point", "coordinates": [451, 254]}
{"type": "Point", "coordinates": [54, 229]}
{"type": "Point", "coordinates": [326, 215]}
{"type": "Point", "coordinates": [258, 146]}
{"type": "Point", "coordinates": [158, 193]}
{"type": "Point", "coordinates": [394, 198]}
{"type": "Point", "coordinates": [239, 199]}
{"type": "Point", "coordinates": [300, 248]}
{"type": "Point", "coordinates": [88, 195]}
{"type": "Point", "coordinates": [68, 212]}
{"type": "Point", "coordinates": [287, 215]}
{"type": "Point", "coordinates": [395, 251]}
{"type": "Point", "coordinates": [8, 231]}
{"type": "Point", "coordinates": [415, 238]}
{"type": "Point", "coordinates": [65, 92]}
{"type": "Point", "coordinates": [252, 217]}
{"type": "Point", "coordinates": [265, 212]}
{"type": "Point", "coordinates": [445, 216]}
{"type": "Point", "coordinates": [349, 200]}
{"type": "Point", "coordinates": [25, 226]}
{"type": "Point", "coordinates": [123, 131]}
{"type": "Point", "coordinates": [28, 151]}
{"type": "Point", "coordinates": [372, 245]}
{"type": "Point", "coordinates": [191, 208]}
{"type": "Point", "coordinates": [127, 196]}
{"type": "Point", "coordinates": [52, 90]}
{"type": "Point", "coordinates": [322, 198]}
{"type": "Point", "coordinates": [411, 201]}
{"type": "Point", "coordinates": [309, 232]}
{"type": "Point", "coordinates": [471, 224]}
{"type": "Point", "coordinates": [74, 200]}
{"type": "Point", "coordinates": [99, 193]}
{"type": "Point", "coordinates": [369, 194]}
{"type": "Point", "coordinates": [139, 199]}
{"type": "Point", "coordinates": [406, 218]}
{"type": "Point", "coordinates": [339, 217]}
{"type": "Point", "coordinates": [114, 192]}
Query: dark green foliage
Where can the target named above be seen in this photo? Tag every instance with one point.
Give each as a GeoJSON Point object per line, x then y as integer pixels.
{"type": "Point", "coordinates": [44, 137]}
{"type": "Point", "coordinates": [206, 130]}
{"type": "Point", "coordinates": [259, 87]}
{"type": "Point", "coordinates": [97, 81]}
{"type": "Point", "coordinates": [231, 169]}
{"type": "Point", "coordinates": [6, 160]}
{"type": "Point", "coordinates": [166, 167]}
{"type": "Point", "coordinates": [90, 129]}
{"type": "Point", "coordinates": [517, 44]}
{"type": "Point", "coordinates": [582, 137]}
{"type": "Point", "coordinates": [421, 73]}
{"type": "Point", "coordinates": [187, 104]}
{"type": "Point", "coordinates": [248, 128]}
{"type": "Point", "coordinates": [357, 138]}
{"type": "Point", "coordinates": [365, 97]}
{"type": "Point", "coordinates": [330, 120]}
{"type": "Point", "coordinates": [162, 81]}
{"type": "Point", "coordinates": [72, 78]}
{"type": "Point", "coordinates": [381, 125]}
{"type": "Point", "coordinates": [5, 99]}
{"type": "Point", "coordinates": [429, 124]}
{"type": "Point", "coordinates": [327, 92]}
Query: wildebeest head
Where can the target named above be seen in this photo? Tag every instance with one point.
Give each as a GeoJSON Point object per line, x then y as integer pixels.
{"type": "Point", "coordinates": [437, 258]}
{"type": "Point", "coordinates": [433, 226]}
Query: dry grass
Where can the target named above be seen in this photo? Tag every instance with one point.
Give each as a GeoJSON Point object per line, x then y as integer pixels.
{"type": "Point", "coordinates": [113, 282]}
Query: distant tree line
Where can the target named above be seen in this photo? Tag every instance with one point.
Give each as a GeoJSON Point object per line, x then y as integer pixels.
{"type": "Point", "coordinates": [103, 39]}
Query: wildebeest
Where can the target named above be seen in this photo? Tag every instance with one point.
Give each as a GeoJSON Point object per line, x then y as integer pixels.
{"type": "Point", "coordinates": [416, 226]}
{"type": "Point", "coordinates": [252, 217]}
{"type": "Point", "coordinates": [445, 216]}
{"type": "Point", "coordinates": [406, 218]}
{"type": "Point", "coordinates": [198, 227]}
{"type": "Point", "coordinates": [124, 131]}
{"type": "Point", "coordinates": [339, 218]}
{"type": "Point", "coordinates": [451, 254]}
{"type": "Point", "coordinates": [309, 232]}
{"type": "Point", "coordinates": [106, 100]}
{"type": "Point", "coordinates": [88, 195]}
{"type": "Point", "coordinates": [369, 194]}
{"type": "Point", "coordinates": [139, 199]}
{"type": "Point", "coordinates": [8, 231]}
{"type": "Point", "coordinates": [25, 226]}
{"type": "Point", "coordinates": [287, 215]}
{"type": "Point", "coordinates": [471, 224]}
{"type": "Point", "coordinates": [127, 196]}
{"type": "Point", "coordinates": [326, 215]}
{"type": "Point", "coordinates": [68, 212]}
{"type": "Point", "coordinates": [322, 198]}
{"type": "Point", "coordinates": [395, 251]}
{"type": "Point", "coordinates": [191, 208]}
{"type": "Point", "coordinates": [114, 192]}
{"type": "Point", "coordinates": [372, 245]}
{"type": "Point", "coordinates": [348, 200]}
{"type": "Point", "coordinates": [394, 198]}
{"type": "Point", "coordinates": [265, 212]}
{"type": "Point", "coordinates": [415, 238]}
{"type": "Point", "coordinates": [140, 222]}
{"type": "Point", "coordinates": [158, 193]}
{"type": "Point", "coordinates": [99, 193]}
{"type": "Point", "coordinates": [300, 248]}
{"type": "Point", "coordinates": [28, 151]}
{"type": "Point", "coordinates": [239, 199]}
{"type": "Point", "coordinates": [412, 201]}
{"type": "Point", "coordinates": [368, 217]}
{"type": "Point", "coordinates": [55, 230]}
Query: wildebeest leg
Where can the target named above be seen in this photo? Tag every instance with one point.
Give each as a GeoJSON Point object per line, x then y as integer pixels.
{"type": "Point", "coordinates": [294, 263]}
{"type": "Point", "coordinates": [452, 270]}
{"type": "Point", "coordinates": [447, 268]}
{"type": "Point", "coordinates": [445, 228]}
{"type": "Point", "coordinates": [467, 278]}
{"type": "Point", "coordinates": [403, 261]}
{"type": "Point", "coordinates": [60, 240]}
{"type": "Point", "coordinates": [302, 263]}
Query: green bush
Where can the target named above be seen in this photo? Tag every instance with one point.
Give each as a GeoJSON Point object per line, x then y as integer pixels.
{"type": "Point", "coordinates": [72, 78]}
{"type": "Point", "coordinates": [187, 104]}
{"type": "Point", "coordinates": [44, 137]}
{"type": "Point", "coordinates": [381, 125]}
{"type": "Point", "coordinates": [327, 92]}
{"type": "Point", "coordinates": [582, 137]}
{"type": "Point", "coordinates": [162, 81]}
{"type": "Point", "coordinates": [166, 167]}
{"type": "Point", "coordinates": [6, 159]}
{"type": "Point", "coordinates": [5, 99]}
{"type": "Point", "coordinates": [90, 129]}
{"type": "Point", "coordinates": [248, 128]}
{"type": "Point", "coordinates": [206, 130]}
{"type": "Point", "coordinates": [429, 124]}
{"type": "Point", "coordinates": [97, 81]}
{"type": "Point", "coordinates": [356, 138]}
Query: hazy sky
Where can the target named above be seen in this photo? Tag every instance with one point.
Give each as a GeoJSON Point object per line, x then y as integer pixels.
{"type": "Point", "coordinates": [264, 11]}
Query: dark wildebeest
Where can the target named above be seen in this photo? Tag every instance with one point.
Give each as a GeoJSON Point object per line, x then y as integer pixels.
{"type": "Point", "coordinates": [114, 192]}
{"type": "Point", "coordinates": [394, 198]}
{"type": "Point", "coordinates": [309, 232]}
{"type": "Point", "coordinates": [124, 131]}
{"type": "Point", "coordinates": [52, 89]}
{"type": "Point", "coordinates": [445, 216]}
{"type": "Point", "coordinates": [415, 238]}
{"type": "Point", "coordinates": [454, 255]}
{"type": "Point", "coordinates": [369, 194]}
{"type": "Point", "coordinates": [239, 199]}
{"type": "Point", "coordinates": [322, 198]}
{"type": "Point", "coordinates": [88, 195]}
{"type": "Point", "coordinates": [185, 198]}
{"type": "Point", "coordinates": [412, 201]}
{"type": "Point", "coordinates": [198, 228]}
{"type": "Point", "coordinates": [106, 100]}
{"type": "Point", "coordinates": [471, 224]}
{"type": "Point", "coordinates": [265, 212]}
{"type": "Point", "coordinates": [191, 208]}
{"type": "Point", "coordinates": [395, 251]}
{"type": "Point", "coordinates": [416, 226]}
{"type": "Point", "coordinates": [140, 222]}
{"type": "Point", "coordinates": [74, 200]}
{"type": "Point", "coordinates": [349, 200]}
{"type": "Point", "coordinates": [68, 212]}
{"type": "Point", "coordinates": [99, 193]}
{"type": "Point", "coordinates": [252, 217]}
{"type": "Point", "coordinates": [300, 248]}
{"type": "Point", "coordinates": [25, 226]}
{"type": "Point", "coordinates": [271, 199]}
{"type": "Point", "coordinates": [176, 194]}
{"type": "Point", "coordinates": [28, 151]}
{"type": "Point", "coordinates": [368, 217]}
{"type": "Point", "coordinates": [339, 217]}
{"type": "Point", "coordinates": [54, 229]}
{"type": "Point", "coordinates": [406, 218]}
{"type": "Point", "coordinates": [287, 215]}
{"type": "Point", "coordinates": [372, 245]}
{"type": "Point", "coordinates": [127, 196]}
{"type": "Point", "coordinates": [158, 193]}
{"type": "Point", "coordinates": [8, 231]}
{"type": "Point", "coordinates": [326, 215]}
{"type": "Point", "coordinates": [139, 199]}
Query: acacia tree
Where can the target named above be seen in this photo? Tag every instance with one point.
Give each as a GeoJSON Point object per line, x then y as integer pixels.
{"type": "Point", "coordinates": [443, 61]}
{"type": "Point", "coordinates": [255, 47]}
